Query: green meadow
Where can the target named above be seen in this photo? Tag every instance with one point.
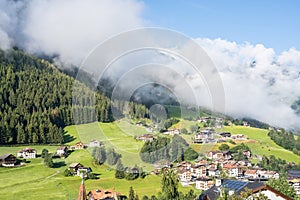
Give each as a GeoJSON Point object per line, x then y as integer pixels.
{"type": "Point", "coordinates": [261, 144]}
{"type": "Point", "coordinates": [35, 181]}
{"type": "Point", "coordinates": [118, 135]}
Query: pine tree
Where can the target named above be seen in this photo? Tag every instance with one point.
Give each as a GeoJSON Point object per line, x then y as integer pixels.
{"type": "Point", "coordinates": [120, 174]}
{"type": "Point", "coordinates": [170, 186]}
{"type": "Point", "coordinates": [21, 137]}
{"type": "Point", "coordinates": [131, 194]}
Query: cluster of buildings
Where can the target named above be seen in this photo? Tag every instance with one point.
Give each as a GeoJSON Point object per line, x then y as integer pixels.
{"type": "Point", "coordinates": [209, 136]}
{"type": "Point", "coordinates": [10, 160]}
{"type": "Point", "coordinates": [237, 187]}
{"type": "Point", "coordinates": [241, 175]}
{"type": "Point", "coordinates": [220, 163]}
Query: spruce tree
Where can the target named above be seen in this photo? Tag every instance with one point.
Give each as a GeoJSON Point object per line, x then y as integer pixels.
{"type": "Point", "coordinates": [119, 174]}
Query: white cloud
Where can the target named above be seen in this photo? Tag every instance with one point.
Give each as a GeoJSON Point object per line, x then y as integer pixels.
{"type": "Point", "coordinates": [290, 58]}
{"type": "Point", "coordinates": [257, 82]}
{"type": "Point", "coordinates": [70, 29]}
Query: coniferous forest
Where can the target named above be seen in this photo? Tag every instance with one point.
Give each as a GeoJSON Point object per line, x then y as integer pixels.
{"type": "Point", "coordinates": [36, 101]}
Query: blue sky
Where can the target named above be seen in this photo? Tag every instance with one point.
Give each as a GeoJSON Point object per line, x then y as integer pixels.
{"type": "Point", "coordinates": [274, 23]}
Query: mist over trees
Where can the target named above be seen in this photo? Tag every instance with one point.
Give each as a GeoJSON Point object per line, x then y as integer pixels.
{"type": "Point", "coordinates": [37, 101]}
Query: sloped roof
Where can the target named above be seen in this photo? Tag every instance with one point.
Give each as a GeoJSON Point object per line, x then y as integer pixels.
{"type": "Point", "coordinates": [238, 187]}
{"type": "Point", "coordinates": [30, 150]}
{"type": "Point", "coordinates": [4, 156]}
{"type": "Point", "coordinates": [72, 165]}
{"type": "Point", "coordinates": [102, 194]}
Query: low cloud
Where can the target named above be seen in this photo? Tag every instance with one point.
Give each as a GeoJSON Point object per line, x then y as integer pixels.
{"type": "Point", "coordinates": [257, 82]}
{"type": "Point", "coordinates": [69, 29]}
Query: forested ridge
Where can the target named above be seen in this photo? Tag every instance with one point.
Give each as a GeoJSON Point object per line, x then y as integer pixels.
{"type": "Point", "coordinates": [286, 140]}
{"type": "Point", "coordinates": [37, 101]}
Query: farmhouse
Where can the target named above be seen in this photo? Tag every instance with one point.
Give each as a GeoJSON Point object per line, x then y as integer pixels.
{"type": "Point", "coordinates": [62, 150]}
{"type": "Point", "coordinates": [78, 145]}
{"type": "Point", "coordinates": [75, 166]}
{"type": "Point", "coordinates": [8, 160]}
{"type": "Point", "coordinates": [27, 153]}
{"type": "Point", "coordinates": [202, 137]}
{"type": "Point", "coordinates": [145, 137]}
{"type": "Point", "coordinates": [208, 131]}
{"type": "Point", "coordinates": [217, 155]}
{"type": "Point", "coordinates": [79, 169]}
{"type": "Point", "coordinates": [172, 132]}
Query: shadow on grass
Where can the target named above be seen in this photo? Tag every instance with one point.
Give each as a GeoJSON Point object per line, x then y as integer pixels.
{"type": "Point", "coordinates": [59, 164]}
{"type": "Point", "coordinates": [68, 138]}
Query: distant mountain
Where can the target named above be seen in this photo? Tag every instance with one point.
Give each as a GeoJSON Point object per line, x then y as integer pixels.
{"type": "Point", "coordinates": [296, 106]}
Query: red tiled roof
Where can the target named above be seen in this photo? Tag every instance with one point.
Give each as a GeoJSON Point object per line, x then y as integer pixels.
{"type": "Point", "coordinates": [230, 166]}
{"type": "Point", "coordinates": [102, 194]}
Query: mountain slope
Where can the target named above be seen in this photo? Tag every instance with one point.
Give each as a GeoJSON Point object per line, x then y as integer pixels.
{"type": "Point", "coordinates": [36, 100]}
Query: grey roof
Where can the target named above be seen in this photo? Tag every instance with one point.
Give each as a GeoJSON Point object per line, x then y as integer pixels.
{"type": "Point", "coordinates": [294, 173]}
{"type": "Point", "coordinates": [237, 186]}
{"type": "Point", "coordinates": [72, 165]}
{"type": "Point", "coordinates": [4, 156]}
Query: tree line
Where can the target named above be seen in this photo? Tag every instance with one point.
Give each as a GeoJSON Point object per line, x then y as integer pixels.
{"type": "Point", "coordinates": [37, 101]}
{"type": "Point", "coordinates": [286, 139]}
{"type": "Point", "coordinates": [277, 164]}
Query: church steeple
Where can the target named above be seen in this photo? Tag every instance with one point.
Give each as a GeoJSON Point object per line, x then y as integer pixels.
{"type": "Point", "coordinates": [82, 191]}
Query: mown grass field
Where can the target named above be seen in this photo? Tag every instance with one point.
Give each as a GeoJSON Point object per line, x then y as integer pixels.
{"type": "Point", "coordinates": [35, 181]}
{"type": "Point", "coordinates": [261, 144]}
{"type": "Point", "coordinates": [119, 135]}
{"type": "Point", "coordinates": [258, 141]}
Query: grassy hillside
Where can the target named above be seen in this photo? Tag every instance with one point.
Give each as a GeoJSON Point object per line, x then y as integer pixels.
{"type": "Point", "coordinates": [35, 181]}
{"type": "Point", "coordinates": [261, 144]}
{"type": "Point", "coordinates": [118, 135]}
